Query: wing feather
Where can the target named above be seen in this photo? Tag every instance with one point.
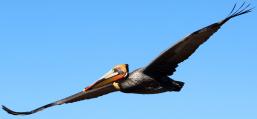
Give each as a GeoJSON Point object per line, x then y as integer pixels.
{"type": "Point", "coordinates": [165, 64]}
{"type": "Point", "coordinates": [94, 93]}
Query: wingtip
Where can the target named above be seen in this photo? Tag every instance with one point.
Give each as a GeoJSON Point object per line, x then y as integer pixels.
{"type": "Point", "coordinates": [12, 112]}
{"type": "Point", "coordinates": [8, 110]}
{"type": "Point", "coordinates": [242, 9]}
{"type": "Point", "coordinates": [5, 108]}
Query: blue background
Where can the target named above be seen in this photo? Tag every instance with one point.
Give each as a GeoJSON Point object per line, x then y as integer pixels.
{"type": "Point", "coordinates": [50, 49]}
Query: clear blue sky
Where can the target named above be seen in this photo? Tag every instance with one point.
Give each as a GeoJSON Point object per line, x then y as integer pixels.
{"type": "Point", "coordinates": [50, 49]}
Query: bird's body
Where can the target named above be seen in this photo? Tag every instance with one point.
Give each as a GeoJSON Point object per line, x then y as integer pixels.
{"type": "Point", "coordinates": [151, 79]}
{"type": "Point", "coordinates": [141, 83]}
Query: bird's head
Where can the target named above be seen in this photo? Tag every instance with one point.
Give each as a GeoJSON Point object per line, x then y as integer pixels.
{"type": "Point", "coordinates": [116, 74]}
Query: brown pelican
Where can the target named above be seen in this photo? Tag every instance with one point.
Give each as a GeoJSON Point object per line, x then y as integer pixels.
{"type": "Point", "coordinates": [151, 79]}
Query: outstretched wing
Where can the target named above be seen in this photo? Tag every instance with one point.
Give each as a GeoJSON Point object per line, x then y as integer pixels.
{"type": "Point", "coordinates": [105, 85]}
{"type": "Point", "coordinates": [166, 63]}
{"type": "Point", "coordinates": [93, 93]}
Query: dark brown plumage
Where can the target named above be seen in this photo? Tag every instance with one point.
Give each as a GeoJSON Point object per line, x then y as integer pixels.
{"type": "Point", "coordinates": [74, 98]}
{"type": "Point", "coordinates": [152, 79]}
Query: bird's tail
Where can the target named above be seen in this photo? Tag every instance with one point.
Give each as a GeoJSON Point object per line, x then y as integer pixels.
{"type": "Point", "coordinates": [243, 9]}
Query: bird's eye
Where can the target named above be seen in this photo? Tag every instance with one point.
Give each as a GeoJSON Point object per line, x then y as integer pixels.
{"type": "Point", "coordinates": [118, 71]}
{"type": "Point", "coordinates": [115, 70]}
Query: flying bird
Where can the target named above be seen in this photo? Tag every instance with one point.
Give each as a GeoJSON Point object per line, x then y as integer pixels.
{"type": "Point", "coordinates": [151, 79]}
